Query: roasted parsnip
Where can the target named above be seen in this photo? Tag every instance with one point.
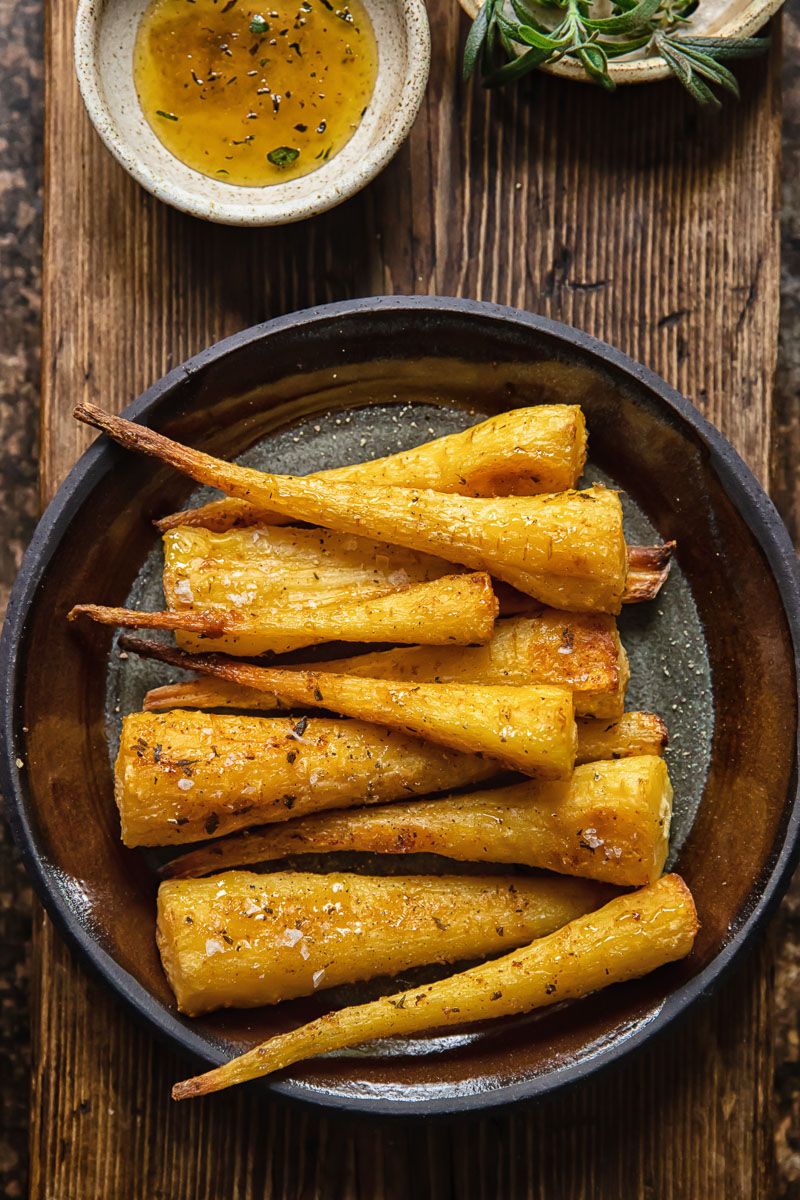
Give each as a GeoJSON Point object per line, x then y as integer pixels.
{"type": "Point", "coordinates": [457, 609]}
{"type": "Point", "coordinates": [578, 651]}
{"type": "Point", "coordinates": [522, 452]}
{"type": "Point", "coordinates": [529, 729]}
{"type": "Point", "coordinates": [254, 568]}
{"type": "Point", "coordinates": [635, 733]}
{"type": "Point", "coordinates": [566, 549]}
{"type": "Point", "coordinates": [627, 938]}
{"type": "Point", "coordinates": [610, 821]}
{"type": "Point", "coordinates": [239, 940]}
{"type": "Point", "coordinates": [185, 776]}
{"type": "Point", "coordinates": [212, 693]}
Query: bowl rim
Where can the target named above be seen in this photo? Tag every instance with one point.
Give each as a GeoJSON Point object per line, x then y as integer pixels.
{"type": "Point", "coordinates": [250, 213]}
{"type": "Point", "coordinates": [648, 70]}
{"type": "Point", "coordinates": [739, 484]}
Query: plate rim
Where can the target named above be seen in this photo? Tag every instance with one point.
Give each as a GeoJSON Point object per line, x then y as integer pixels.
{"type": "Point", "coordinates": [742, 489]}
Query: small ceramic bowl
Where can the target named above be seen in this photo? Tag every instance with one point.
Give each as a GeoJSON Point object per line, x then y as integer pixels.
{"type": "Point", "coordinates": [105, 32]}
{"type": "Point", "coordinates": [714, 18]}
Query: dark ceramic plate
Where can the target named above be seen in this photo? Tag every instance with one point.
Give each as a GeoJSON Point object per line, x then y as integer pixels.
{"type": "Point", "coordinates": [716, 655]}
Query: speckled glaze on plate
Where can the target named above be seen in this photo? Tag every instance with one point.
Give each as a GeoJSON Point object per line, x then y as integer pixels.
{"type": "Point", "coordinates": [714, 18]}
{"type": "Point", "coordinates": [720, 646]}
{"type": "Point", "coordinates": [105, 32]}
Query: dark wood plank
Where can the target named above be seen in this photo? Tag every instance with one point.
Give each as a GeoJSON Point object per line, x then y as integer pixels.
{"type": "Point", "coordinates": [632, 216]}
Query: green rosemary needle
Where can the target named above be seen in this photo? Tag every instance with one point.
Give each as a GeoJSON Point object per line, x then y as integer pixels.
{"type": "Point", "coordinates": [510, 38]}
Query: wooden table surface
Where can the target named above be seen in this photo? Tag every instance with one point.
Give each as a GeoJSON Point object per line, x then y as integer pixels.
{"type": "Point", "coordinates": [632, 216]}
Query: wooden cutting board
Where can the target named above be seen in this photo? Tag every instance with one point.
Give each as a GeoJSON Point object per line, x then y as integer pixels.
{"type": "Point", "coordinates": [633, 216]}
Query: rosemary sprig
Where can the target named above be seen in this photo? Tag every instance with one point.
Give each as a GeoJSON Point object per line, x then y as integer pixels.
{"type": "Point", "coordinates": [510, 38]}
{"type": "Point", "coordinates": [696, 59]}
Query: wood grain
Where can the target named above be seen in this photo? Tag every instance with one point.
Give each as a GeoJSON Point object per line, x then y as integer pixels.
{"type": "Point", "coordinates": [632, 216]}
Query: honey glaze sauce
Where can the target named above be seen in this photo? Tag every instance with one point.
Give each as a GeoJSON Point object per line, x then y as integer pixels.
{"type": "Point", "coordinates": [254, 95]}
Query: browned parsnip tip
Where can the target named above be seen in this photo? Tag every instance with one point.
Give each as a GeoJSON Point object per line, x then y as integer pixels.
{"type": "Point", "coordinates": [106, 422]}
{"type": "Point", "coordinates": [133, 436]}
{"type": "Point", "coordinates": [633, 733]}
{"type": "Point", "coordinates": [211, 624]}
{"type": "Point", "coordinates": [648, 568]}
{"type": "Point", "coordinates": [150, 648]}
{"type": "Point", "coordinates": [218, 516]}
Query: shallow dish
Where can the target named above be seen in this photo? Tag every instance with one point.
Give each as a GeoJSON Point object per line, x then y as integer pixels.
{"type": "Point", "coordinates": [714, 18]}
{"type": "Point", "coordinates": [105, 31]}
{"type": "Point", "coordinates": [736, 589]}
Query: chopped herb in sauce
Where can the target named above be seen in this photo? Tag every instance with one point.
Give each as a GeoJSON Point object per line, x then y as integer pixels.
{"type": "Point", "coordinates": [281, 156]}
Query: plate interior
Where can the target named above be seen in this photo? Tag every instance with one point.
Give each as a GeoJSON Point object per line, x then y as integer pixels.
{"type": "Point", "coordinates": [670, 672]}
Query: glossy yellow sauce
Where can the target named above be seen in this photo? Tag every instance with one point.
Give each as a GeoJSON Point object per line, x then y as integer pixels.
{"type": "Point", "coordinates": [253, 94]}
